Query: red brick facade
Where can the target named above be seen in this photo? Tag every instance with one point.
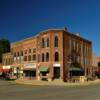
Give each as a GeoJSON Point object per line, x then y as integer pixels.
{"type": "Point", "coordinates": [51, 49]}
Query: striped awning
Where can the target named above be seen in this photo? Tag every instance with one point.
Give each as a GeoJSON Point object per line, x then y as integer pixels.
{"type": "Point", "coordinates": [43, 69]}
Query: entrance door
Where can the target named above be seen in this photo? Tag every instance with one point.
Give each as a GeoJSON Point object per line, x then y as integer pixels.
{"type": "Point", "coordinates": [56, 72]}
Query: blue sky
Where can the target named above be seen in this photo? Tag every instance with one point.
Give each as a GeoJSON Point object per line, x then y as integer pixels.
{"type": "Point", "coordinates": [20, 19]}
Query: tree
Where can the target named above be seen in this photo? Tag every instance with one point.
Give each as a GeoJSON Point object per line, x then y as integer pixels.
{"type": "Point", "coordinates": [4, 47]}
{"type": "Point", "coordinates": [73, 58]}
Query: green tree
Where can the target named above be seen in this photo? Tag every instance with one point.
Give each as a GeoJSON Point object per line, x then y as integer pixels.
{"type": "Point", "coordinates": [4, 47]}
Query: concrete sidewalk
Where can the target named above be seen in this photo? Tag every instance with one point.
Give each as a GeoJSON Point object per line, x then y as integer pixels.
{"type": "Point", "coordinates": [55, 83]}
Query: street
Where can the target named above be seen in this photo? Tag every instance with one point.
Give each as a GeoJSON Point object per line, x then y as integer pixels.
{"type": "Point", "coordinates": [13, 91]}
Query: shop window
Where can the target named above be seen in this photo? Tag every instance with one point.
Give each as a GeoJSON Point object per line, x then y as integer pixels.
{"type": "Point", "coordinates": [34, 57]}
{"type": "Point", "coordinates": [56, 41]}
{"type": "Point", "coordinates": [42, 57]}
{"type": "Point", "coordinates": [47, 56]}
{"type": "Point", "coordinates": [56, 56]}
{"type": "Point", "coordinates": [44, 73]}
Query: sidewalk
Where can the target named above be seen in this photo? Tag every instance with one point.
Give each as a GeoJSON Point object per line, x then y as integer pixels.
{"type": "Point", "coordinates": [55, 83]}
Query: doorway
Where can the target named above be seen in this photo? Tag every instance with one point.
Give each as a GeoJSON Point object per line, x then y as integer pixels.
{"type": "Point", "coordinates": [56, 72]}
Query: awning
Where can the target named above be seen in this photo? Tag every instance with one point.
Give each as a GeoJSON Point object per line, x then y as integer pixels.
{"type": "Point", "coordinates": [43, 69]}
{"type": "Point", "coordinates": [4, 70]}
{"type": "Point", "coordinates": [1, 70]}
{"type": "Point", "coordinates": [75, 69]}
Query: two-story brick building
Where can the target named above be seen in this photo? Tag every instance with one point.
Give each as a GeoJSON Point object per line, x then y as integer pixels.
{"type": "Point", "coordinates": [51, 54]}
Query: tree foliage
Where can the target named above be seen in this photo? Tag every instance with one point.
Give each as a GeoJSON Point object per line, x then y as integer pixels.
{"type": "Point", "coordinates": [4, 47]}
{"type": "Point", "coordinates": [73, 58]}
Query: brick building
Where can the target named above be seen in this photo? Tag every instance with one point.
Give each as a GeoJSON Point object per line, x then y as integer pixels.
{"type": "Point", "coordinates": [7, 63]}
{"type": "Point", "coordinates": [52, 54]}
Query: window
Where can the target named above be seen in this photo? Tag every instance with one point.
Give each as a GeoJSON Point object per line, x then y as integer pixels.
{"type": "Point", "coordinates": [70, 45]}
{"type": "Point", "coordinates": [29, 50]}
{"type": "Point", "coordinates": [56, 41]}
{"type": "Point", "coordinates": [42, 57]}
{"type": "Point", "coordinates": [25, 58]}
{"type": "Point", "coordinates": [43, 45]}
{"type": "Point", "coordinates": [25, 51]}
{"type": "Point", "coordinates": [47, 56]}
{"type": "Point", "coordinates": [47, 42]}
{"type": "Point", "coordinates": [29, 58]}
{"type": "Point", "coordinates": [38, 57]}
{"type": "Point", "coordinates": [34, 57]}
{"type": "Point", "coordinates": [21, 53]}
{"type": "Point", "coordinates": [15, 54]}
{"type": "Point", "coordinates": [56, 56]}
{"type": "Point", "coordinates": [34, 50]}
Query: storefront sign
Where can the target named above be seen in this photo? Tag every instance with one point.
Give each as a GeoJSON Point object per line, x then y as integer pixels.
{"type": "Point", "coordinates": [30, 65]}
{"type": "Point", "coordinates": [56, 65]}
{"type": "Point", "coordinates": [6, 67]}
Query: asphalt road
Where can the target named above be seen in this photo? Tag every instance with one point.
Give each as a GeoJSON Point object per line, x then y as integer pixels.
{"type": "Point", "coordinates": [12, 91]}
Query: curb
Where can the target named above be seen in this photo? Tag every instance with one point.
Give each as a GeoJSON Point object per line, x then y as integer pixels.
{"type": "Point", "coordinates": [54, 84]}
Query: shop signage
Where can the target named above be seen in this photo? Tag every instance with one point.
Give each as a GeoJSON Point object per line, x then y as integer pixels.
{"type": "Point", "coordinates": [30, 65]}
{"type": "Point", "coordinates": [56, 65]}
{"type": "Point", "coordinates": [6, 67]}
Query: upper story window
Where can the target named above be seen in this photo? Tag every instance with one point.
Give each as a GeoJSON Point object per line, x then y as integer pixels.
{"type": "Point", "coordinates": [38, 57]}
{"type": "Point", "coordinates": [15, 54]}
{"type": "Point", "coordinates": [29, 58]}
{"type": "Point", "coordinates": [47, 56]}
{"type": "Point", "coordinates": [56, 41]}
{"type": "Point", "coordinates": [56, 56]}
{"type": "Point", "coordinates": [34, 50]}
{"type": "Point", "coordinates": [25, 58]}
{"type": "Point", "coordinates": [34, 57]}
{"type": "Point", "coordinates": [43, 43]}
{"type": "Point", "coordinates": [25, 51]}
{"type": "Point", "coordinates": [47, 42]}
{"type": "Point", "coordinates": [29, 50]}
{"type": "Point", "coordinates": [21, 53]}
{"type": "Point", "coordinates": [42, 57]}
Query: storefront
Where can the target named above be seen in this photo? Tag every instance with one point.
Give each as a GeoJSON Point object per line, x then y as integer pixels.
{"type": "Point", "coordinates": [17, 72]}
{"type": "Point", "coordinates": [56, 70]}
{"type": "Point", "coordinates": [43, 73]}
{"type": "Point", "coordinates": [5, 71]}
{"type": "Point", "coordinates": [29, 71]}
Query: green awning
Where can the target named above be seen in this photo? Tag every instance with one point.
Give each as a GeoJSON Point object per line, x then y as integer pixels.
{"type": "Point", "coordinates": [43, 69]}
{"type": "Point", "coordinates": [75, 69]}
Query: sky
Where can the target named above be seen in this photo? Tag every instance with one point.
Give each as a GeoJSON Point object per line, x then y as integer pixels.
{"type": "Point", "coordinates": [20, 19]}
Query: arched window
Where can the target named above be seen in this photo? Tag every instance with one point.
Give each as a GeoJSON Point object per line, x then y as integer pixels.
{"type": "Point", "coordinates": [43, 43]}
{"type": "Point", "coordinates": [25, 58]}
{"type": "Point", "coordinates": [56, 56]}
{"type": "Point", "coordinates": [42, 57]}
{"type": "Point", "coordinates": [29, 58]}
{"type": "Point", "coordinates": [56, 41]}
{"type": "Point", "coordinates": [47, 56]}
{"type": "Point", "coordinates": [47, 42]}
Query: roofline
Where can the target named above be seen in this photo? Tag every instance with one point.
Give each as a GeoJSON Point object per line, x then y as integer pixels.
{"type": "Point", "coordinates": [41, 32]}
{"type": "Point", "coordinates": [48, 30]}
